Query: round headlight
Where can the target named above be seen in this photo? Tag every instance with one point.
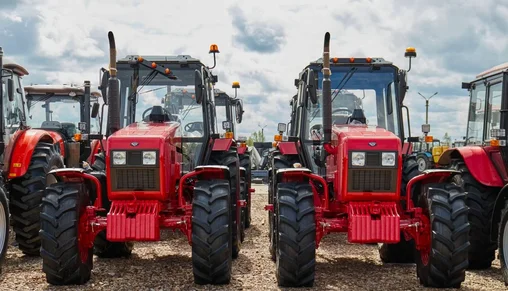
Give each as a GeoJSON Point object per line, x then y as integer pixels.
{"type": "Point", "coordinates": [119, 158]}
{"type": "Point", "coordinates": [149, 158]}
{"type": "Point", "coordinates": [358, 158]}
{"type": "Point", "coordinates": [388, 159]}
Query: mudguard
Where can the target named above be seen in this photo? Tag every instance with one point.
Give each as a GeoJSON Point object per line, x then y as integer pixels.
{"type": "Point", "coordinates": [222, 144]}
{"type": "Point", "coordinates": [242, 150]}
{"type": "Point", "coordinates": [79, 175]}
{"type": "Point", "coordinates": [23, 146]}
{"type": "Point", "coordinates": [426, 177]}
{"type": "Point", "coordinates": [287, 148]}
{"type": "Point", "coordinates": [473, 157]}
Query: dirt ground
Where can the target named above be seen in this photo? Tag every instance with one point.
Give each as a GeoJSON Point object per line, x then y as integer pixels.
{"type": "Point", "coordinates": [167, 266]}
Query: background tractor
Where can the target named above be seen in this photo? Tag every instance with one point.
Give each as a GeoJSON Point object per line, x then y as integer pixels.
{"type": "Point", "coordinates": [163, 169]}
{"type": "Point", "coordinates": [483, 162]}
{"type": "Point", "coordinates": [50, 108]}
{"type": "Point", "coordinates": [427, 152]}
{"type": "Point", "coordinates": [357, 179]}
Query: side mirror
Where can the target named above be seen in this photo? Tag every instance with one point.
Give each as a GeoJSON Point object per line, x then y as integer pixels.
{"type": "Point", "coordinates": [402, 85]}
{"type": "Point", "coordinates": [199, 87]}
{"type": "Point", "coordinates": [311, 87]}
{"type": "Point", "coordinates": [239, 112]}
{"type": "Point", "coordinates": [10, 89]}
{"type": "Point", "coordinates": [104, 85]}
{"type": "Point", "coordinates": [95, 110]}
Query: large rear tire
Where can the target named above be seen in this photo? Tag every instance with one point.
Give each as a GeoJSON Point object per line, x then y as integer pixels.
{"type": "Point", "coordinates": [64, 260]}
{"type": "Point", "coordinates": [103, 248]}
{"type": "Point", "coordinates": [211, 232]}
{"type": "Point", "coordinates": [296, 242]}
{"type": "Point", "coordinates": [481, 201]}
{"type": "Point", "coordinates": [403, 251]}
{"type": "Point", "coordinates": [26, 197]}
{"type": "Point", "coordinates": [4, 224]}
{"type": "Point", "coordinates": [503, 243]}
{"type": "Point", "coordinates": [445, 264]}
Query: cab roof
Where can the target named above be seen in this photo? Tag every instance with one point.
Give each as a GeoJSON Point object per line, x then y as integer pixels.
{"type": "Point", "coordinates": [17, 69]}
{"type": "Point", "coordinates": [493, 71]}
{"type": "Point", "coordinates": [57, 90]}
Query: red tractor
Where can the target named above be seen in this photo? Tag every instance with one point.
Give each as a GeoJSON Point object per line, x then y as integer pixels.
{"type": "Point", "coordinates": [483, 163]}
{"type": "Point", "coordinates": [360, 179]}
{"type": "Point", "coordinates": [163, 169]}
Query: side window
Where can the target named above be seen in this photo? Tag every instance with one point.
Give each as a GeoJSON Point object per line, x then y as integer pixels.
{"type": "Point", "coordinates": [476, 115]}
{"type": "Point", "coordinates": [494, 107]}
{"type": "Point", "coordinates": [14, 109]}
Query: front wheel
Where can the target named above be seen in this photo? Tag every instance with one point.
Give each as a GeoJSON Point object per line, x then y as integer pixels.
{"type": "Point", "coordinates": [503, 243]}
{"type": "Point", "coordinates": [444, 264]}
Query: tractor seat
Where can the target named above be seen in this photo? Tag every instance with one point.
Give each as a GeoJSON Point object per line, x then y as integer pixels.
{"type": "Point", "coordinates": [158, 115]}
{"type": "Point", "coordinates": [69, 129]}
{"type": "Point", "coordinates": [51, 125]}
{"type": "Point", "coordinates": [359, 116]}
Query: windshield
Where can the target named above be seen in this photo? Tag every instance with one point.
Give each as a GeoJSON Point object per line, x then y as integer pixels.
{"type": "Point", "coordinates": [43, 109]}
{"type": "Point", "coordinates": [371, 89]}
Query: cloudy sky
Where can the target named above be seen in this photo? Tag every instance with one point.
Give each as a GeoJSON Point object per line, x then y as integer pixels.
{"type": "Point", "coordinates": [265, 44]}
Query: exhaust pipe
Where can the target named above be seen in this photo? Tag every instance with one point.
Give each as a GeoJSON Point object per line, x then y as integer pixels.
{"type": "Point", "coordinates": [113, 89]}
{"type": "Point", "coordinates": [327, 91]}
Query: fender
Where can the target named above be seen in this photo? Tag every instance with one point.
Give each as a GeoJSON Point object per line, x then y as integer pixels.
{"type": "Point", "coordinates": [426, 177]}
{"type": "Point", "coordinates": [208, 171]}
{"type": "Point", "coordinates": [23, 148]}
{"type": "Point", "coordinates": [222, 144]}
{"type": "Point", "coordinates": [58, 139]}
{"type": "Point", "coordinates": [287, 148]}
{"type": "Point", "coordinates": [474, 156]}
{"type": "Point", "coordinates": [79, 175]}
{"type": "Point", "coordinates": [242, 150]}
{"type": "Point", "coordinates": [496, 214]}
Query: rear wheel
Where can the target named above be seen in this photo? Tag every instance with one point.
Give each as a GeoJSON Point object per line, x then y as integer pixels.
{"type": "Point", "coordinates": [444, 264]}
{"type": "Point", "coordinates": [424, 162]}
{"type": "Point", "coordinates": [4, 224]}
{"type": "Point", "coordinates": [26, 197]}
{"type": "Point", "coordinates": [103, 248]}
{"type": "Point", "coordinates": [245, 162]}
{"type": "Point", "coordinates": [296, 242]}
{"type": "Point", "coordinates": [230, 159]}
{"type": "Point", "coordinates": [481, 201]}
{"type": "Point", "coordinates": [403, 251]}
{"type": "Point", "coordinates": [211, 232]}
{"type": "Point", "coordinates": [503, 243]}
{"type": "Point", "coordinates": [66, 259]}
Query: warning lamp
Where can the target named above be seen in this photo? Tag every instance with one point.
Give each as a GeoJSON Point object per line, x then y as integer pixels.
{"type": "Point", "coordinates": [277, 137]}
{"type": "Point", "coordinates": [429, 138]}
{"type": "Point", "coordinates": [77, 136]}
{"type": "Point", "coordinates": [410, 52]}
{"type": "Point", "coordinates": [369, 60]}
{"type": "Point", "coordinates": [140, 59]}
{"type": "Point", "coordinates": [274, 144]}
{"type": "Point", "coordinates": [154, 65]}
{"type": "Point", "coordinates": [335, 60]}
{"type": "Point", "coordinates": [236, 84]}
{"type": "Point", "coordinates": [214, 49]}
{"type": "Point", "coordinates": [228, 134]}
{"type": "Point", "coordinates": [351, 60]}
{"type": "Point", "coordinates": [243, 145]}
{"type": "Point", "coordinates": [167, 71]}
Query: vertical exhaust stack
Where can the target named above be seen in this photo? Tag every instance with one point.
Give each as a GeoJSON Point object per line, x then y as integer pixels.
{"type": "Point", "coordinates": [113, 89]}
{"type": "Point", "coordinates": [86, 103]}
{"type": "Point", "coordinates": [2, 131]}
{"type": "Point", "coordinates": [327, 91]}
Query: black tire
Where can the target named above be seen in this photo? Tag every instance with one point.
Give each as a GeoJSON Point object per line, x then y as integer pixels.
{"type": "Point", "coordinates": [296, 247]}
{"type": "Point", "coordinates": [243, 211]}
{"type": "Point", "coordinates": [230, 159]}
{"type": "Point", "coordinates": [26, 196]}
{"type": "Point", "coordinates": [403, 251]}
{"type": "Point", "coordinates": [211, 232]}
{"type": "Point", "coordinates": [62, 260]}
{"type": "Point", "coordinates": [4, 224]}
{"type": "Point", "coordinates": [277, 161]}
{"type": "Point", "coordinates": [503, 243]}
{"type": "Point", "coordinates": [245, 162]}
{"type": "Point", "coordinates": [102, 247]}
{"type": "Point", "coordinates": [423, 162]}
{"type": "Point", "coordinates": [481, 201]}
{"type": "Point", "coordinates": [445, 205]}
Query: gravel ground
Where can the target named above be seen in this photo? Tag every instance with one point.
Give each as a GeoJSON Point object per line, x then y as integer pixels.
{"type": "Point", "coordinates": [167, 266]}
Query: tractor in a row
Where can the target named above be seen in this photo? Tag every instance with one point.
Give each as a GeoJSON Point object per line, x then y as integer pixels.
{"type": "Point", "coordinates": [483, 164]}
{"type": "Point", "coordinates": [356, 175]}
{"type": "Point", "coordinates": [162, 170]}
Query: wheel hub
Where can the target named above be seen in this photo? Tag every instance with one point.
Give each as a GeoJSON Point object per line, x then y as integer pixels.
{"type": "Point", "coordinates": [422, 164]}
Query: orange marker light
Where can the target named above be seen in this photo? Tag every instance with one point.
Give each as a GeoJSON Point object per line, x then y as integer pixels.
{"type": "Point", "coordinates": [429, 138]}
{"type": "Point", "coordinates": [214, 48]}
{"type": "Point", "coordinates": [368, 60]}
{"type": "Point", "coordinates": [167, 71]}
{"type": "Point", "coordinates": [351, 60]}
{"type": "Point", "coordinates": [335, 60]}
{"type": "Point", "coordinates": [77, 136]}
{"type": "Point", "coordinates": [154, 65]}
{"type": "Point", "coordinates": [140, 59]}
{"type": "Point", "coordinates": [228, 135]}
{"type": "Point", "coordinates": [277, 137]}
{"type": "Point", "coordinates": [494, 142]}
{"type": "Point", "coordinates": [410, 50]}
{"type": "Point", "coordinates": [274, 144]}
{"type": "Point", "coordinates": [236, 84]}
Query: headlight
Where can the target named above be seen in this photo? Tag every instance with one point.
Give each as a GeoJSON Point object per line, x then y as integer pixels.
{"type": "Point", "coordinates": [358, 158]}
{"type": "Point", "coordinates": [119, 158]}
{"type": "Point", "coordinates": [149, 158]}
{"type": "Point", "coordinates": [388, 159]}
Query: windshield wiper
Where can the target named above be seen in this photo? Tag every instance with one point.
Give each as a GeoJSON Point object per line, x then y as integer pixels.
{"type": "Point", "coordinates": [348, 75]}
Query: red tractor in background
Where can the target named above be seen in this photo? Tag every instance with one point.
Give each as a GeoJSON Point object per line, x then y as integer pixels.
{"type": "Point", "coordinates": [163, 169]}
{"type": "Point", "coordinates": [360, 179]}
{"type": "Point", "coordinates": [483, 164]}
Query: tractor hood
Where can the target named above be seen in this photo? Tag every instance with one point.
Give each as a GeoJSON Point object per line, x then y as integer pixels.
{"type": "Point", "coordinates": [143, 135]}
{"type": "Point", "coordinates": [365, 137]}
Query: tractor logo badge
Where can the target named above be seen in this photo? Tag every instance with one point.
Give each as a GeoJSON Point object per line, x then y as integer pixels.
{"type": "Point", "coordinates": [134, 144]}
{"type": "Point", "coordinates": [372, 143]}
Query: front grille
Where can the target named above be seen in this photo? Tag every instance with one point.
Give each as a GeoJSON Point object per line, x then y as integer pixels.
{"type": "Point", "coordinates": [372, 180]}
{"type": "Point", "coordinates": [135, 179]}
{"type": "Point", "coordinates": [134, 158]}
{"type": "Point", "coordinates": [373, 159]}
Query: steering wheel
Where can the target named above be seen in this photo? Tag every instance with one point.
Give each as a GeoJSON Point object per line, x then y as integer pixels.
{"type": "Point", "coordinates": [194, 126]}
{"type": "Point", "coordinates": [145, 115]}
{"type": "Point", "coordinates": [343, 110]}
